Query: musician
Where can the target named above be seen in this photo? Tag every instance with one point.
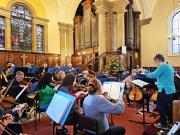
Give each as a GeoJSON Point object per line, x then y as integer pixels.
{"type": "Point", "coordinates": [7, 119]}
{"type": "Point", "coordinates": [46, 90]}
{"type": "Point", "coordinates": [58, 76]}
{"type": "Point", "coordinates": [71, 68]}
{"type": "Point", "coordinates": [97, 107]}
{"type": "Point", "coordinates": [43, 69]}
{"type": "Point", "coordinates": [17, 87]}
{"type": "Point", "coordinates": [166, 89]}
{"type": "Point", "coordinates": [67, 84]}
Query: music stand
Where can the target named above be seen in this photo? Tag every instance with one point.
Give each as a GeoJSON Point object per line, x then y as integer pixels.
{"type": "Point", "coordinates": [141, 87]}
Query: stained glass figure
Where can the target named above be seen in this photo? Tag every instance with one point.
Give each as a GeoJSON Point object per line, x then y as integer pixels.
{"type": "Point", "coordinates": [40, 31]}
{"type": "Point", "coordinates": [21, 28]}
{"type": "Point", "coordinates": [2, 32]}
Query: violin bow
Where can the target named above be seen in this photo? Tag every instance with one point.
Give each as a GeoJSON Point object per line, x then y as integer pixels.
{"type": "Point", "coordinates": [6, 91]}
{"type": "Point", "coordinates": [23, 89]}
{"type": "Point", "coordinates": [8, 130]}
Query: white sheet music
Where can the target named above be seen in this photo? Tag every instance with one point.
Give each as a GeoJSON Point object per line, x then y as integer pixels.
{"type": "Point", "coordinates": [57, 108]}
{"type": "Point", "coordinates": [174, 129]}
{"type": "Point", "coordinates": [115, 89]}
{"type": "Point", "coordinates": [139, 83]}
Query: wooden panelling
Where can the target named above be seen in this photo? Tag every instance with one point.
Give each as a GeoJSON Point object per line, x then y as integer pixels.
{"type": "Point", "coordinates": [33, 58]}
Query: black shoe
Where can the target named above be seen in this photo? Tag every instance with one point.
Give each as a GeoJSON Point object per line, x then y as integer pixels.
{"type": "Point", "coordinates": [160, 126]}
{"type": "Point", "coordinates": [63, 131]}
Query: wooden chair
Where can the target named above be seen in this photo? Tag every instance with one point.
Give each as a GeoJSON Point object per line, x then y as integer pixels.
{"type": "Point", "coordinates": [85, 123]}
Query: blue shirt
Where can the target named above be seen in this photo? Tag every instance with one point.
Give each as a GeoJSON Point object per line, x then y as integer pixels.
{"type": "Point", "coordinates": [97, 107]}
{"type": "Point", "coordinates": [165, 78]}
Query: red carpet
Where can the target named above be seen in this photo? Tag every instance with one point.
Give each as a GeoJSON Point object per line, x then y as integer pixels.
{"type": "Point", "coordinates": [44, 126]}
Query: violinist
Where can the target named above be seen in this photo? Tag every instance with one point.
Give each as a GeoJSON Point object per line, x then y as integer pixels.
{"type": "Point", "coordinates": [58, 76]}
{"type": "Point", "coordinates": [7, 121]}
{"type": "Point", "coordinates": [43, 69]}
{"type": "Point", "coordinates": [17, 87]}
{"type": "Point", "coordinates": [97, 106]}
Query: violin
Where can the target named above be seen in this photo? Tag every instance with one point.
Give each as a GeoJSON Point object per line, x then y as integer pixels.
{"type": "Point", "coordinates": [24, 83]}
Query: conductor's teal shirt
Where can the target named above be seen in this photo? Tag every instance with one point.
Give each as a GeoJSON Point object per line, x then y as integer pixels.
{"type": "Point", "coordinates": [165, 78]}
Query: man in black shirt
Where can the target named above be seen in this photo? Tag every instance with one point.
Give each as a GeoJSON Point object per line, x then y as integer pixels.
{"type": "Point", "coordinates": [17, 87]}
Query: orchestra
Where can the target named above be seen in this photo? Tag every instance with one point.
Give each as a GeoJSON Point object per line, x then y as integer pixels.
{"type": "Point", "coordinates": [85, 87]}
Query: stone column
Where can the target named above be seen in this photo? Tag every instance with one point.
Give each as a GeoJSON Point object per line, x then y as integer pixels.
{"type": "Point", "coordinates": [63, 42]}
{"type": "Point", "coordinates": [70, 50]}
{"type": "Point", "coordinates": [102, 8]}
{"type": "Point", "coordinates": [119, 6]}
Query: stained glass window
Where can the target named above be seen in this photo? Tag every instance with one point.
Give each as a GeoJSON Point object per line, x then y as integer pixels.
{"type": "Point", "coordinates": [2, 32]}
{"type": "Point", "coordinates": [21, 28]}
{"type": "Point", "coordinates": [175, 31]}
{"type": "Point", "coordinates": [40, 32]}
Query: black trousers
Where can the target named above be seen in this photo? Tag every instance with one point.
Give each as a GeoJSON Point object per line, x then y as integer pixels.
{"type": "Point", "coordinates": [164, 106]}
{"type": "Point", "coordinates": [115, 130]}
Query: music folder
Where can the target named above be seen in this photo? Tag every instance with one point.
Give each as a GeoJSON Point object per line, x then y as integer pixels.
{"type": "Point", "coordinates": [140, 83]}
{"type": "Point", "coordinates": [60, 107]}
{"type": "Point", "coordinates": [115, 90]}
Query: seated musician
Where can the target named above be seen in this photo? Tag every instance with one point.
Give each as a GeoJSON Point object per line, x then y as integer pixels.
{"type": "Point", "coordinates": [43, 69]}
{"type": "Point", "coordinates": [7, 119]}
{"type": "Point", "coordinates": [166, 89]}
{"type": "Point", "coordinates": [17, 87]}
{"type": "Point", "coordinates": [67, 84]}
{"type": "Point", "coordinates": [58, 76]}
{"type": "Point", "coordinates": [127, 81]}
{"type": "Point", "coordinates": [71, 68]}
{"type": "Point", "coordinates": [46, 91]}
{"type": "Point", "coordinates": [97, 107]}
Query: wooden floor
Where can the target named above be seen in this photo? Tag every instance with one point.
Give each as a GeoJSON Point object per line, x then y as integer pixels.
{"type": "Point", "coordinates": [44, 126]}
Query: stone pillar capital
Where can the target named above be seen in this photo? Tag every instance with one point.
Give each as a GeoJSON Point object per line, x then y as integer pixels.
{"type": "Point", "coordinates": [102, 6]}
{"type": "Point", "coordinates": [119, 6]}
{"type": "Point", "coordinates": [63, 26]}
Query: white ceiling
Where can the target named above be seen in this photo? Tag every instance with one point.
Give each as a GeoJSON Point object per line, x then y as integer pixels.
{"type": "Point", "coordinates": [64, 10]}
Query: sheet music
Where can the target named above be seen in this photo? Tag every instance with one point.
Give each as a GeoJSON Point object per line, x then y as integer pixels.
{"type": "Point", "coordinates": [115, 89]}
{"type": "Point", "coordinates": [106, 87]}
{"type": "Point", "coordinates": [139, 83]}
{"type": "Point", "coordinates": [173, 130]}
{"type": "Point", "coordinates": [57, 108]}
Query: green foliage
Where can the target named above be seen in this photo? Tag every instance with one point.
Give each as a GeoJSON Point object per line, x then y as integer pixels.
{"type": "Point", "coordinates": [114, 65]}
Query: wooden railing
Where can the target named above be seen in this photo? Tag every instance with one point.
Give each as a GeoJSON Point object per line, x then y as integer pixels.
{"type": "Point", "coordinates": [95, 60]}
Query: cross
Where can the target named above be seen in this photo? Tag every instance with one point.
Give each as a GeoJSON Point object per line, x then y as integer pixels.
{"type": "Point", "coordinates": [24, 59]}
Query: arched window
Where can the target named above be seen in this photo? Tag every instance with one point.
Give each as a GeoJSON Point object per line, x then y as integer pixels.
{"type": "Point", "coordinates": [175, 33]}
{"type": "Point", "coordinates": [21, 28]}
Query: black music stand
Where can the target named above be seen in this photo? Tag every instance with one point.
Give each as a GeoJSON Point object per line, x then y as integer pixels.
{"type": "Point", "coordinates": [143, 122]}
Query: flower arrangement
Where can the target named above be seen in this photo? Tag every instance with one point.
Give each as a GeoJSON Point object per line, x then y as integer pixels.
{"type": "Point", "coordinates": [114, 65]}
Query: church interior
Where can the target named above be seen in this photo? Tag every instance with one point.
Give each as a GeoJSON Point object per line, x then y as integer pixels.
{"type": "Point", "coordinates": [86, 67]}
